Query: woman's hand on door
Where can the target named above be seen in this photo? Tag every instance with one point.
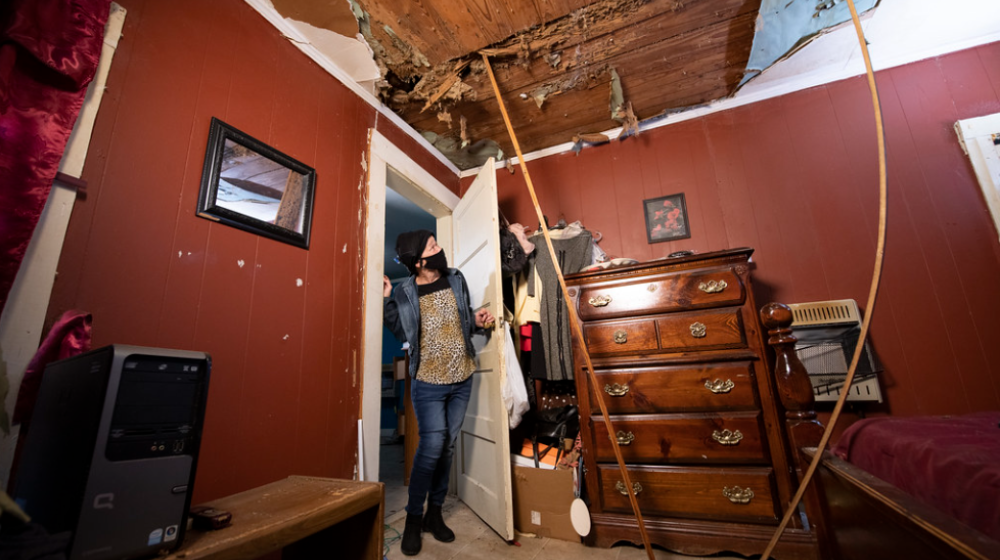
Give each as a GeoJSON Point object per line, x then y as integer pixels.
{"type": "Point", "coordinates": [484, 319]}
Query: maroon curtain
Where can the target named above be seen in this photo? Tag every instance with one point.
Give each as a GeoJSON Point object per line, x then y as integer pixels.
{"type": "Point", "coordinates": [70, 336]}
{"type": "Point", "coordinates": [48, 54]}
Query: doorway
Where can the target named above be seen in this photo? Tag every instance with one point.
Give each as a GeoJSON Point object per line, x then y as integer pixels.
{"type": "Point", "coordinates": [468, 231]}
{"type": "Point", "coordinates": [401, 215]}
{"type": "Point", "coordinates": [389, 168]}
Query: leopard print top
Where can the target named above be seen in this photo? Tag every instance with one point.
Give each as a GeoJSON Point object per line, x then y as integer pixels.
{"type": "Point", "coordinates": [443, 359]}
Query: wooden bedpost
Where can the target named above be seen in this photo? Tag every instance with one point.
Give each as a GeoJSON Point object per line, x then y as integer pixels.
{"type": "Point", "coordinates": [795, 392]}
{"type": "Point", "coordinates": [794, 388]}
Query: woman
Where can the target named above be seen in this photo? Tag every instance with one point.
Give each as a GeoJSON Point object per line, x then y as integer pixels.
{"type": "Point", "coordinates": [431, 312]}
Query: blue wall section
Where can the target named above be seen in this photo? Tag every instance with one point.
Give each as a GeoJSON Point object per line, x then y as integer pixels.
{"type": "Point", "coordinates": [390, 346]}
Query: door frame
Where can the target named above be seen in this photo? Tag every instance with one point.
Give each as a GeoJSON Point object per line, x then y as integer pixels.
{"type": "Point", "coordinates": [388, 165]}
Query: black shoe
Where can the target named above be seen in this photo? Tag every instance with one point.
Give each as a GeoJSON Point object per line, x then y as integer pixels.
{"type": "Point", "coordinates": [411, 535]}
{"type": "Point", "coordinates": [434, 524]}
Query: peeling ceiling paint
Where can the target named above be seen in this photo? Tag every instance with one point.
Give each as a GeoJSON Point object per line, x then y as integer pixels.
{"type": "Point", "coordinates": [351, 55]}
{"type": "Point", "coordinates": [785, 25]}
{"type": "Point", "coordinates": [331, 27]}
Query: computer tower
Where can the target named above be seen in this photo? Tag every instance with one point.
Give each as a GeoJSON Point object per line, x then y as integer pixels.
{"type": "Point", "coordinates": [112, 447]}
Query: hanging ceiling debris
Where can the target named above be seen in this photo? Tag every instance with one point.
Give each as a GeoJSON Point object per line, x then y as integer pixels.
{"type": "Point", "coordinates": [570, 70]}
{"type": "Point", "coordinates": [558, 63]}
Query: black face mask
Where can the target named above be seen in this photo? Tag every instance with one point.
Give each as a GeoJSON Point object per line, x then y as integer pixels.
{"type": "Point", "coordinates": [436, 261]}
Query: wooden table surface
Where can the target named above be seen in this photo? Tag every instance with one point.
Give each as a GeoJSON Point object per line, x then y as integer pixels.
{"type": "Point", "coordinates": [273, 516]}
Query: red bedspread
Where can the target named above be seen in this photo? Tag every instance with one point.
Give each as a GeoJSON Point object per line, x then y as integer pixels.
{"type": "Point", "coordinates": [949, 462]}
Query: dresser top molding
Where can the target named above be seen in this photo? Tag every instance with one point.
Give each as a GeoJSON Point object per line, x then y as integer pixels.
{"type": "Point", "coordinates": [734, 256]}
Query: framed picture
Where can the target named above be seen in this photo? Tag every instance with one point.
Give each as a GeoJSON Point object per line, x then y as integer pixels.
{"type": "Point", "coordinates": [249, 185]}
{"type": "Point", "coordinates": [666, 218]}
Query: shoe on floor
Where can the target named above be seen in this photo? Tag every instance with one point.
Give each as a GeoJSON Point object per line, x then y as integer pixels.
{"type": "Point", "coordinates": [434, 524]}
{"type": "Point", "coordinates": [411, 535]}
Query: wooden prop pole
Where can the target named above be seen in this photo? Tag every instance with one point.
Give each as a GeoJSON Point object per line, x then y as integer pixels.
{"type": "Point", "coordinates": [573, 320]}
{"type": "Point", "coordinates": [872, 293]}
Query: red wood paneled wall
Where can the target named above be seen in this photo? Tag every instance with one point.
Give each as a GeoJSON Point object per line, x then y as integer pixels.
{"type": "Point", "coordinates": [796, 178]}
{"type": "Point", "coordinates": [286, 379]}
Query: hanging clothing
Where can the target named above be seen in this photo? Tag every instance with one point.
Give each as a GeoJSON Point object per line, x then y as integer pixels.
{"type": "Point", "coordinates": [530, 348]}
{"type": "Point", "coordinates": [528, 294]}
{"type": "Point", "coordinates": [565, 232]}
{"type": "Point", "coordinates": [573, 253]}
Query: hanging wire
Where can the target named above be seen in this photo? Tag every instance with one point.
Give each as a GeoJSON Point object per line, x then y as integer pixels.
{"type": "Point", "coordinates": [390, 540]}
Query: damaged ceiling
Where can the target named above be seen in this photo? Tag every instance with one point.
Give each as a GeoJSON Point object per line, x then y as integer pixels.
{"type": "Point", "coordinates": [569, 70]}
{"type": "Point", "coordinates": [565, 68]}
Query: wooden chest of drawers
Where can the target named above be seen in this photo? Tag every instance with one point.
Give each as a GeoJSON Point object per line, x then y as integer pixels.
{"type": "Point", "coordinates": [679, 356]}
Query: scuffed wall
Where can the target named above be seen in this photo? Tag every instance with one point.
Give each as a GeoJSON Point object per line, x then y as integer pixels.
{"type": "Point", "coordinates": [283, 324]}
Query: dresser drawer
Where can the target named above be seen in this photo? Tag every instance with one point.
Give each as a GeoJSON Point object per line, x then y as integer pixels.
{"type": "Point", "coordinates": [725, 386]}
{"type": "Point", "coordinates": [717, 328]}
{"type": "Point", "coordinates": [729, 494]}
{"type": "Point", "coordinates": [658, 294]}
{"type": "Point", "coordinates": [682, 438]}
{"type": "Point", "coordinates": [610, 337]}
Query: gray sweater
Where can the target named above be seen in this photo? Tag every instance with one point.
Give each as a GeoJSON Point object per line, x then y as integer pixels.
{"type": "Point", "coordinates": [573, 254]}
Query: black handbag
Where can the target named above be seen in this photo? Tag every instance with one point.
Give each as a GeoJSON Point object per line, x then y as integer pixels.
{"type": "Point", "coordinates": [551, 427]}
{"type": "Point", "coordinates": [512, 256]}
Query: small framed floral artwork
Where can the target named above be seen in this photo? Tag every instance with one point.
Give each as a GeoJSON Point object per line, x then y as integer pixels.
{"type": "Point", "coordinates": [666, 218]}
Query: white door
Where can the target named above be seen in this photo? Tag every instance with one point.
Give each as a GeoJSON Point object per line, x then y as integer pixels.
{"type": "Point", "coordinates": [482, 454]}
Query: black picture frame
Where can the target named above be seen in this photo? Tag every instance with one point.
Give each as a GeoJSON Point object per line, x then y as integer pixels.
{"type": "Point", "coordinates": [251, 186]}
{"type": "Point", "coordinates": [666, 218]}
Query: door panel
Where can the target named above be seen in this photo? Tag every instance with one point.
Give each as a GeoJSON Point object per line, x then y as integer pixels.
{"type": "Point", "coordinates": [483, 448]}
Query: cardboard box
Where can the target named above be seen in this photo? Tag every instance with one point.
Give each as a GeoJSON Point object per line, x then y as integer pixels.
{"type": "Point", "coordinates": [542, 499]}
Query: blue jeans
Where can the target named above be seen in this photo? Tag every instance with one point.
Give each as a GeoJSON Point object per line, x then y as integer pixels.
{"type": "Point", "coordinates": [440, 410]}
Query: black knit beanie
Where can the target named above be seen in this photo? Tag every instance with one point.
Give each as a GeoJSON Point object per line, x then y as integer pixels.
{"type": "Point", "coordinates": [410, 246]}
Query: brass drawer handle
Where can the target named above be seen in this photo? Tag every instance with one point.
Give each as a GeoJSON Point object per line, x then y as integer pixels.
{"type": "Point", "coordinates": [713, 286]}
{"type": "Point", "coordinates": [698, 330]}
{"type": "Point", "coordinates": [599, 301]}
{"type": "Point", "coordinates": [720, 386]}
{"type": "Point", "coordinates": [726, 437]}
{"type": "Point", "coordinates": [625, 438]}
{"type": "Point", "coordinates": [738, 495]}
{"type": "Point", "coordinates": [616, 390]}
{"type": "Point", "coordinates": [636, 488]}
{"type": "Point", "coordinates": [621, 337]}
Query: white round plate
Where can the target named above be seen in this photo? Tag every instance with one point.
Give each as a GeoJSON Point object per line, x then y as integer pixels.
{"type": "Point", "coordinates": [580, 517]}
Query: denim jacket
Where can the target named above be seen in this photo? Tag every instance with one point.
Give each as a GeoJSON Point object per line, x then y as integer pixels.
{"type": "Point", "coordinates": [401, 313]}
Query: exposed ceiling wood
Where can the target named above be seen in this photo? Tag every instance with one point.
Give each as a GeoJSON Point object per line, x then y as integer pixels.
{"type": "Point", "coordinates": [554, 61]}
{"type": "Point", "coordinates": [446, 29]}
{"type": "Point", "coordinates": [684, 69]}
